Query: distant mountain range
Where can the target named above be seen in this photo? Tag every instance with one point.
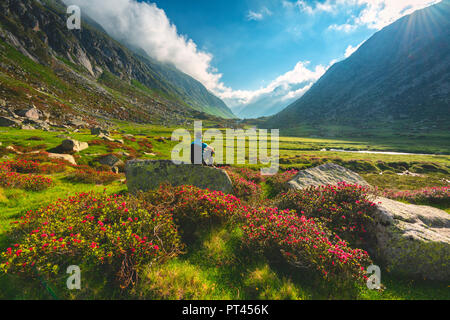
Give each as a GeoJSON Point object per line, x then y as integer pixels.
{"type": "Point", "coordinates": [104, 71]}
{"type": "Point", "coordinates": [270, 103]}
{"type": "Point", "coordinates": [398, 79]}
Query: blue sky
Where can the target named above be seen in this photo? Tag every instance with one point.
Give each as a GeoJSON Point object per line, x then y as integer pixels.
{"type": "Point", "coordinates": [250, 52]}
{"type": "Point", "coordinates": [254, 54]}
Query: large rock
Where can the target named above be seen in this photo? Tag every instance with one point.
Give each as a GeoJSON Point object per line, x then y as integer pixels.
{"type": "Point", "coordinates": [73, 145]}
{"type": "Point", "coordinates": [412, 240]}
{"type": "Point", "coordinates": [30, 113]}
{"type": "Point", "coordinates": [69, 158]}
{"type": "Point", "coordinates": [143, 175]}
{"type": "Point", "coordinates": [326, 174]}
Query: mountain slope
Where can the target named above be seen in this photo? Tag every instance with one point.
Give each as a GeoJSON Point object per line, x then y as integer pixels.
{"type": "Point", "coordinates": [38, 30]}
{"type": "Point", "coordinates": [397, 79]}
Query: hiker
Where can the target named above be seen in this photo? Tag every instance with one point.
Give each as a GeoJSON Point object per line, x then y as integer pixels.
{"type": "Point", "coordinates": [201, 153]}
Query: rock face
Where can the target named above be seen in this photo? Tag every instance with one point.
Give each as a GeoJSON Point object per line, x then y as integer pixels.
{"type": "Point", "coordinates": [412, 240]}
{"type": "Point", "coordinates": [73, 145]}
{"type": "Point", "coordinates": [326, 174]}
{"type": "Point", "coordinates": [143, 175]}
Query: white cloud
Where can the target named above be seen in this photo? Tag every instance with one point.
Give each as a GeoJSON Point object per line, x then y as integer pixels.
{"type": "Point", "coordinates": [253, 15]}
{"type": "Point", "coordinates": [350, 50]}
{"type": "Point", "coordinates": [376, 14]}
{"type": "Point", "coordinates": [303, 6]}
{"type": "Point", "coordinates": [310, 9]}
{"type": "Point", "coordinates": [296, 94]}
{"type": "Point", "coordinates": [380, 13]}
{"type": "Point", "coordinates": [343, 27]}
{"type": "Point", "coordinates": [285, 85]}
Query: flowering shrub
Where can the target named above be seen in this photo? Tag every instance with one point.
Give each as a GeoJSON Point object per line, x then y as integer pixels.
{"type": "Point", "coordinates": [21, 166]}
{"type": "Point", "coordinates": [305, 243]}
{"type": "Point", "coordinates": [145, 144]}
{"type": "Point", "coordinates": [243, 188]}
{"type": "Point", "coordinates": [194, 208]}
{"type": "Point", "coordinates": [52, 168]}
{"type": "Point", "coordinates": [278, 182]}
{"type": "Point", "coordinates": [34, 164]}
{"type": "Point", "coordinates": [11, 179]}
{"type": "Point", "coordinates": [345, 208]}
{"type": "Point", "coordinates": [434, 195]}
{"type": "Point", "coordinates": [117, 234]}
{"type": "Point", "coordinates": [247, 174]}
{"type": "Point", "coordinates": [91, 176]}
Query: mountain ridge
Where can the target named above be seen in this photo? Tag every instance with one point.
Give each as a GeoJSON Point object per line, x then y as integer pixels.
{"type": "Point", "coordinates": [38, 30]}
{"type": "Point", "coordinates": [399, 75]}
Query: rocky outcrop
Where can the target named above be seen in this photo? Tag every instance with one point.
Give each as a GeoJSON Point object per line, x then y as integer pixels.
{"type": "Point", "coordinates": [143, 175]}
{"type": "Point", "coordinates": [412, 240]}
{"type": "Point", "coordinates": [67, 157]}
{"type": "Point", "coordinates": [71, 145]}
{"type": "Point", "coordinates": [327, 174]}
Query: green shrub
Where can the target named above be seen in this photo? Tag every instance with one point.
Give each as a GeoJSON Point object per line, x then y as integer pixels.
{"type": "Point", "coordinates": [361, 166]}
{"type": "Point", "coordinates": [91, 176]}
{"type": "Point", "coordinates": [383, 166]}
{"type": "Point", "coordinates": [427, 168]}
